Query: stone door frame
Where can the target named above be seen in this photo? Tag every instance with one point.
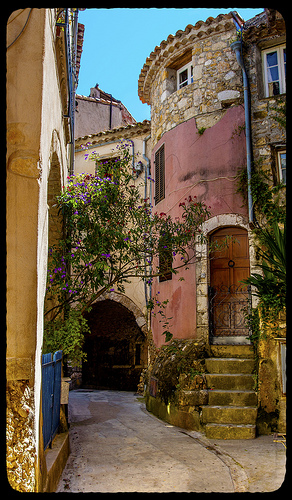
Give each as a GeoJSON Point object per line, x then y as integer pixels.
{"type": "Point", "coordinates": [203, 267]}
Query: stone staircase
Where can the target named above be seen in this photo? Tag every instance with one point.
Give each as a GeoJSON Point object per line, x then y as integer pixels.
{"type": "Point", "coordinates": [232, 409]}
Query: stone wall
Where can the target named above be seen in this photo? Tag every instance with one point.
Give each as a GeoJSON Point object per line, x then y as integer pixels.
{"type": "Point", "coordinates": [271, 390]}
{"type": "Point", "coordinates": [264, 31]}
{"type": "Point", "coordinates": [217, 84]}
{"type": "Point", "coordinates": [175, 383]}
{"type": "Point", "coordinates": [36, 145]}
{"type": "Point", "coordinates": [21, 445]}
{"type": "Point", "coordinates": [267, 134]}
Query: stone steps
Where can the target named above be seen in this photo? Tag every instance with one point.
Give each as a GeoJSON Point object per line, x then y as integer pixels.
{"type": "Point", "coordinates": [230, 365]}
{"type": "Point", "coordinates": [223, 397]}
{"type": "Point", "coordinates": [230, 431]}
{"type": "Point", "coordinates": [231, 414]}
{"type": "Point", "coordinates": [241, 381]}
{"type": "Point", "coordinates": [232, 351]}
{"type": "Point", "coordinates": [232, 403]}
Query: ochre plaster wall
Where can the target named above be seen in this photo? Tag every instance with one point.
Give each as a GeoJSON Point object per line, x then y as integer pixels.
{"type": "Point", "coordinates": [134, 290]}
{"type": "Point", "coordinates": [35, 135]}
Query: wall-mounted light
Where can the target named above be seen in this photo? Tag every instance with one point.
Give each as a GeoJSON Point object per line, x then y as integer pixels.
{"type": "Point", "coordinates": [138, 168]}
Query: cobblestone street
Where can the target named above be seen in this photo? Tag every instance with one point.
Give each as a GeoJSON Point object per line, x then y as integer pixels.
{"type": "Point", "coordinates": [117, 446]}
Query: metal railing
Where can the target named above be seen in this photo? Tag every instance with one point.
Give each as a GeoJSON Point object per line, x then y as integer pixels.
{"type": "Point", "coordinates": [229, 307]}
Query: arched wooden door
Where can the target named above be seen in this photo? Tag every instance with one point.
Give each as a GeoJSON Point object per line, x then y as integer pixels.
{"type": "Point", "coordinates": [228, 297]}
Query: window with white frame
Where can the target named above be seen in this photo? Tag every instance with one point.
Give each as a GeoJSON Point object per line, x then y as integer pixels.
{"type": "Point", "coordinates": [281, 160]}
{"type": "Point", "coordinates": [185, 75]}
{"type": "Point", "coordinates": [274, 65]}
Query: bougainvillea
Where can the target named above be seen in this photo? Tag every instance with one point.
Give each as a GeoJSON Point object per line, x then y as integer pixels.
{"type": "Point", "coordinates": [113, 235]}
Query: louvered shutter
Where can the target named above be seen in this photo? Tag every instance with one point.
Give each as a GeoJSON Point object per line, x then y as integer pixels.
{"type": "Point", "coordinates": [159, 175]}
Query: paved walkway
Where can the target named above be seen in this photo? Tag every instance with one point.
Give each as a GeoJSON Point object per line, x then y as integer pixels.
{"type": "Point", "coordinates": [117, 446]}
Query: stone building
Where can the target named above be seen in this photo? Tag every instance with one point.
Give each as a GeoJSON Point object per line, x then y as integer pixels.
{"type": "Point", "coordinates": [194, 85]}
{"type": "Point", "coordinates": [265, 59]}
{"type": "Point", "coordinates": [201, 140]}
{"type": "Point", "coordinates": [40, 135]}
{"type": "Point", "coordinates": [117, 348]}
{"type": "Point", "coordinates": [99, 111]}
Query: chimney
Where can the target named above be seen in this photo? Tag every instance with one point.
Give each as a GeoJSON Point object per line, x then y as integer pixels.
{"type": "Point", "coordinates": [95, 92]}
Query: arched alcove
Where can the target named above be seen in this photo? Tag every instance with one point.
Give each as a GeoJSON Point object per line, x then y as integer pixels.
{"type": "Point", "coordinates": [116, 348]}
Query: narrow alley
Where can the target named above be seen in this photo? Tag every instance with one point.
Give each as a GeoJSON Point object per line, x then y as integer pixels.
{"type": "Point", "coordinates": [117, 446]}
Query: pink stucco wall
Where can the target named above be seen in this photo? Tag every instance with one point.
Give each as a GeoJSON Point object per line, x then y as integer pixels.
{"type": "Point", "coordinates": [204, 166]}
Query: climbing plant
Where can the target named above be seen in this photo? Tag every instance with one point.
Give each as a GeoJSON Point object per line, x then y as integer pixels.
{"type": "Point", "coordinates": [269, 205]}
{"type": "Point", "coordinates": [270, 286]}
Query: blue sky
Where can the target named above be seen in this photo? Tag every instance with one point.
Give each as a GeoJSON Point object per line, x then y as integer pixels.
{"type": "Point", "coordinates": [117, 42]}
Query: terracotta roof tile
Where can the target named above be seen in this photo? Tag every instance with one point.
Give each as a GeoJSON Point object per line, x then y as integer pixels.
{"type": "Point", "coordinates": [180, 39]}
{"type": "Point", "coordinates": [80, 37]}
{"type": "Point", "coordinates": [107, 135]}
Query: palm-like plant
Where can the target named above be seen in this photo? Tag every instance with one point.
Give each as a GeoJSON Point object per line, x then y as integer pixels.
{"type": "Point", "coordinates": [272, 282]}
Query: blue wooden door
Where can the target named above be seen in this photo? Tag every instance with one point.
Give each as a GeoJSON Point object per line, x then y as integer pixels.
{"type": "Point", "coordinates": [51, 394]}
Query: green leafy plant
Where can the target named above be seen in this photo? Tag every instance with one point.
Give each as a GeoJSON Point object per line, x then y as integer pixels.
{"type": "Point", "coordinates": [269, 205]}
{"type": "Point", "coordinates": [201, 130]}
{"type": "Point", "coordinates": [67, 335]}
{"type": "Point", "coordinates": [270, 286]}
{"type": "Point", "coordinates": [154, 304]}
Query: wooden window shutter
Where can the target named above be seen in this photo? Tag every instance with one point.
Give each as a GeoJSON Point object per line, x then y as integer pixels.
{"type": "Point", "coordinates": [159, 175]}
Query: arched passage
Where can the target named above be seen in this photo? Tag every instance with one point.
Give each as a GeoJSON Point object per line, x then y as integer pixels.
{"type": "Point", "coordinates": [116, 348]}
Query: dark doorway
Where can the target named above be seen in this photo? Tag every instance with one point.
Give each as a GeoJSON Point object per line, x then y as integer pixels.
{"type": "Point", "coordinates": [116, 348]}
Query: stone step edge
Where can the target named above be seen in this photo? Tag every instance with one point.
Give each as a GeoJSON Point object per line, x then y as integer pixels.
{"type": "Point", "coordinates": [230, 374]}
{"type": "Point", "coordinates": [231, 359]}
{"type": "Point", "coordinates": [233, 391]}
{"type": "Point", "coordinates": [222, 407]}
{"type": "Point", "coordinates": [248, 426]}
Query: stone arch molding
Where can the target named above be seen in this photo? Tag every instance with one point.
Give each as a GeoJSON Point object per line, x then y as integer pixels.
{"type": "Point", "coordinates": [202, 265]}
{"type": "Point", "coordinates": [129, 304]}
{"type": "Point", "coordinates": [56, 157]}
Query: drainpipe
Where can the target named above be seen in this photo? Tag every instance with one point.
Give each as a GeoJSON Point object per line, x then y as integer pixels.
{"type": "Point", "coordinates": [146, 172]}
{"type": "Point", "coordinates": [70, 84]}
{"type": "Point", "coordinates": [237, 48]}
{"type": "Point", "coordinates": [147, 169]}
{"type": "Point", "coordinates": [110, 116]}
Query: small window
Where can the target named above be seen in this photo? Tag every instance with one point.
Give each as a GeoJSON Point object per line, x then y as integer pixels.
{"type": "Point", "coordinates": [281, 160]}
{"type": "Point", "coordinates": [165, 259]}
{"type": "Point", "coordinates": [105, 167]}
{"type": "Point", "coordinates": [274, 64]}
{"type": "Point", "coordinates": [185, 76]}
{"type": "Point", "coordinates": [159, 175]}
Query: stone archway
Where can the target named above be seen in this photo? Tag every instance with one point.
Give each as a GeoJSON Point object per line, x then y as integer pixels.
{"type": "Point", "coordinates": [116, 348]}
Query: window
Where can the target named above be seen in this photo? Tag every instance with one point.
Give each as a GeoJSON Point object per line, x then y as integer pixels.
{"type": "Point", "coordinates": [159, 175]}
{"type": "Point", "coordinates": [106, 167]}
{"type": "Point", "coordinates": [185, 76]}
{"type": "Point", "coordinates": [274, 64]}
{"type": "Point", "coordinates": [281, 160]}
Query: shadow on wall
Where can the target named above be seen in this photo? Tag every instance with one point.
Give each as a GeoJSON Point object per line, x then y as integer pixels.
{"type": "Point", "coordinates": [116, 348]}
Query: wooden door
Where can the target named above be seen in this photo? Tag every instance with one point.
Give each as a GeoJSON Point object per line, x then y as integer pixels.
{"type": "Point", "coordinates": [228, 297]}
